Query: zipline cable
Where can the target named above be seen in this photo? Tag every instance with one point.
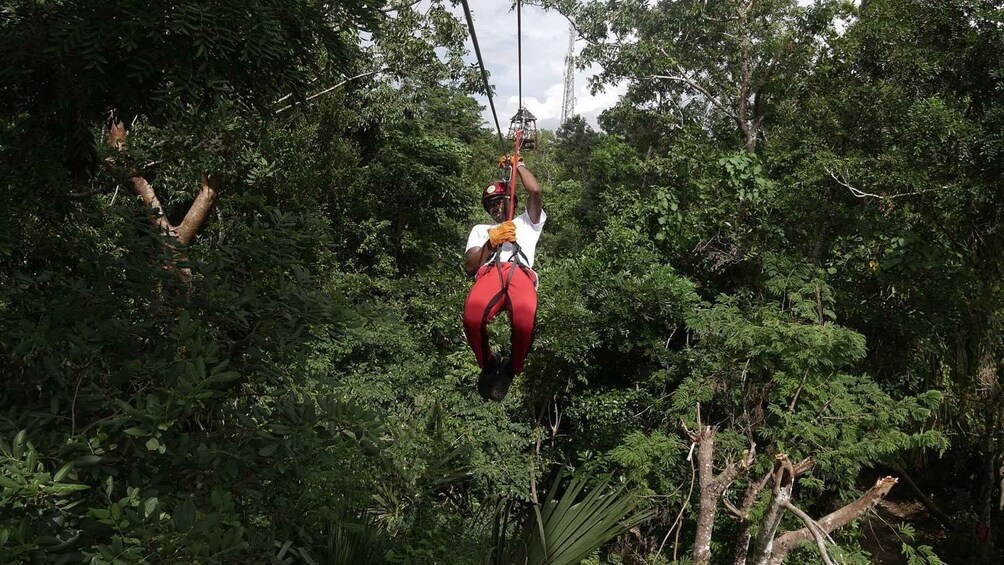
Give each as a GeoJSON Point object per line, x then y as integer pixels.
{"type": "Point", "coordinates": [484, 73]}
{"type": "Point", "coordinates": [518, 135]}
{"type": "Point", "coordinates": [519, 56]}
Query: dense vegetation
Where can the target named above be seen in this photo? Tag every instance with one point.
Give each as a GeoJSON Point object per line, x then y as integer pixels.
{"type": "Point", "coordinates": [230, 315]}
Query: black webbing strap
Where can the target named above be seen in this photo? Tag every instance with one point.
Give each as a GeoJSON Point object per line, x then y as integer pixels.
{"type": "Point", "coordinates": [503, 293]}
{"type": "Point", "coordinates": [515, 258]}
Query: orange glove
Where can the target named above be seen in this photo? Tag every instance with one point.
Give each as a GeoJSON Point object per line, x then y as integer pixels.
{"type": "Point", "coordinates": [506, 231]}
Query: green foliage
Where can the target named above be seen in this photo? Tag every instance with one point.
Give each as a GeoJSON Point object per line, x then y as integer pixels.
{"type": "Point", "coordinates": [565, 529]}
{"type": "Point", "coordinates": [920, 555]}
{"type": "Point", "coordinates": [813, 260]}
{"type": "Point", "coordinates": [777, 369]}
{"type": "Point", "coordinates": [68, 63]}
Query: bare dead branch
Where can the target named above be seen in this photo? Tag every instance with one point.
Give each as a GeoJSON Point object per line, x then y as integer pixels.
{"type": "Point", "coordinates": [803, 466]}
{"type": "Point", "coordinates": [857, 193]}
{"type": "Point", "coordinates": [832, 521]}
{"type": "Point", "coordinates": [199, 210]}
{"type": "Point", "coordinates": [814, 529]}
{"type": "Point", "coordinates": [149, 197]}
{"type": "Point", "coordinates": [679, 516]}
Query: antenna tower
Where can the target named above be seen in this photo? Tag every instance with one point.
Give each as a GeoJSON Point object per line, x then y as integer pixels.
{"type": "Point", "coordinates": [568, 98]}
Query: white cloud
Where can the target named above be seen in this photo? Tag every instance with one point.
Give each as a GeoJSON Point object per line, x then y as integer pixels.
{"type": "Point", "coordinates": [545, 41]}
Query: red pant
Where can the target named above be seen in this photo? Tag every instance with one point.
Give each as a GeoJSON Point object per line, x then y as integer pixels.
{"type": "Point", "coordinates": [487, 299]}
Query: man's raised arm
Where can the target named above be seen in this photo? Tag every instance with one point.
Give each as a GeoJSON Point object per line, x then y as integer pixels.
{"type": "Point", "coordinates": [534, 201]}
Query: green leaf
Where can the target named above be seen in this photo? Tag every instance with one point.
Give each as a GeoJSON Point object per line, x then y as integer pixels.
{"type": "Point", "coordinates": [99, 513]}
{"type": "Point", "coordinates": [8, 483]}
{"type": "Point", "coordinates": [86, 460]}
{"type": "Point", "coordinates": [19, 444]}
{"type": "Point", "coordinates": [63, 472]}
{"type": "Point", "coordinates": [570, 528]}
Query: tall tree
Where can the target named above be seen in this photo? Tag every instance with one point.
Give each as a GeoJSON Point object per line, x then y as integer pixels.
{"type": "Point", "coordinates": [734, 58]}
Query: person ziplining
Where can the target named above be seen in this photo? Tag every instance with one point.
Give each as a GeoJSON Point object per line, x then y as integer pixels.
{"type": "Point", "coordinates": [500, 256]}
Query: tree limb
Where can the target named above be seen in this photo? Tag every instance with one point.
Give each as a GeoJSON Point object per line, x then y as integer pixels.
{"type": "Point", "coordinates": [711, 486]}
{"type": "Point", "coordinates": [145, 192]}
{"type": "Point", "coordinates": [704, 92]}
{"type": "Point", "coordinates": [749, 499]}
{"type": "Point", "coordinates": [732, 509]}
{"type": "Point", "coordinates": [784, 480]}
{"type": "Point", "coordinates": [199, 210]}
{"type": "Point", "coordinates": [197, 213]}
{"type": "Point", "coordinates": [832, 521]}
{"type": "Point", "coordinates": [862, 194]}
{"type": "Point", "coordinates": [933, 508]}
{"type": "Point", "coordinates": [327, 90]}
{"type": "Point", "coordinates": [814, 529]}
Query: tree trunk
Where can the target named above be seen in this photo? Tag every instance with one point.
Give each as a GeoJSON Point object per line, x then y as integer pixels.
{"type": "Point", "coordinates": [764, 545]}
{"type": "Point", "coordinates": [784, 482]}
{"type": "Point", "coordinates": [711, 486]}
{"type": "Point", "coordinates": [708, 499]}
{"type": "Point", "coordinates": [743, 537]}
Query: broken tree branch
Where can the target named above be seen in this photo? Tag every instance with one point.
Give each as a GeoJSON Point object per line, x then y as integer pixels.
{"type": "Point", "coordinates": [149, 197]}
{"type": "Point", "coordinates": [832, 521]}
{"type": "Point", "coordinates": [199, 210]}
{"type": "Point", "coordinates": [814, 529]}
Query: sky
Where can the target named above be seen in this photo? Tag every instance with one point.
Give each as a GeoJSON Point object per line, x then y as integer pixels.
{"type": "Point", "coordinates": [545, 42]}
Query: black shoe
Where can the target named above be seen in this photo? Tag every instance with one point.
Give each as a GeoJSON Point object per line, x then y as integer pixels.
{"type": "Point", "coordinates": [500, 386]}
{"type": "Point", "coordinates": [486, 380]}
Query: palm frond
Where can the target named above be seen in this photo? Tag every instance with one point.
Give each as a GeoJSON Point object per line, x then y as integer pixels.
{"type": "Point", "coordinates": [570, 524]}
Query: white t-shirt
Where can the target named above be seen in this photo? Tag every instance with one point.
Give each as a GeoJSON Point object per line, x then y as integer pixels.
{"type": "Point", "coordinates": [527, 234]}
